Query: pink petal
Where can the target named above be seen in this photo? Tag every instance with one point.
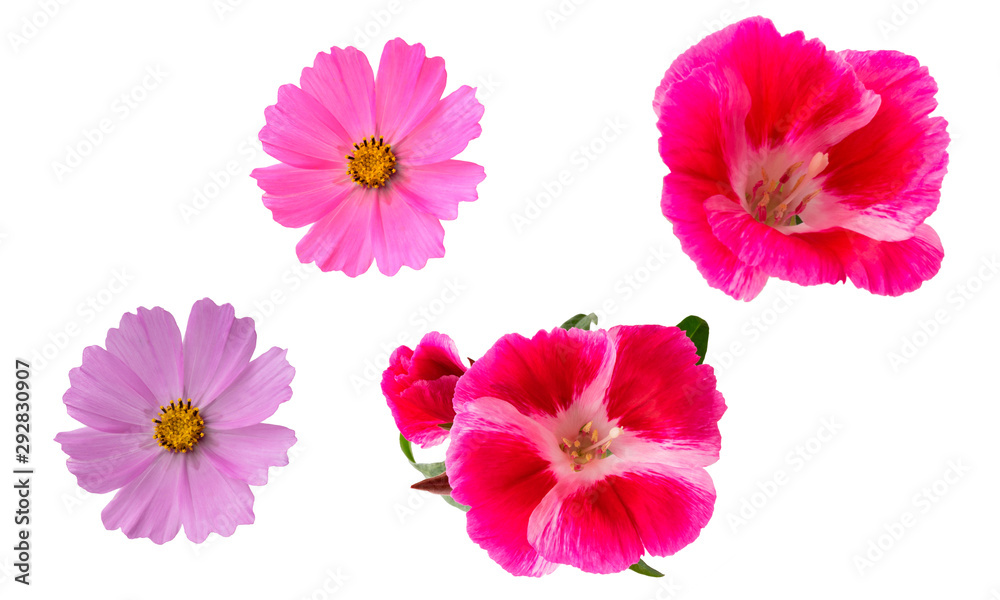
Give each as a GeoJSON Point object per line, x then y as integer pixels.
{"type": "Point", "coordinates": [540, 376]}
{"type": "Point", "coordinates": [216, 503]}
{"type": "Point", "coordinates": [493, 468]}
{"type": "Point", "coordinates": [889, 268]}
{"type": "Point", "coordinates": [701, 123]}
{"type": "Point", "coordinates": [421, 409]}
{"type": "Point", "coordinates": [409, 85]}
{"type": "Point", "coordinates": [668, 506]}
{"type": "Point", "coordinates": [246, 453]}
{"type": "Point", "coordinates": [150, 505]}
{"type": "Point", "coordinates": [254, 395]}
{"type": "Point", "coordinates": [342, 81]}
{"type": "Point", "coordinates": [341, 240]}
{"type": "Point", "coordinates": [683, 204]}
{"type": "Point", "coordinates": [437, 188]}
{"type": "Point", "coordinates": [435, 356]}
{"type": "Point", "coordinates": [445, 131]}
{"type": "Point", "coordinates": [103, 462]}
{"type": "Point", "coordinates": [149, 343]}
{"type": "Point", "coordinates": [801, 259]}
{"type": "Point", "coordinates": [886, 177]}
{"type": "Point", "coordinates": [298, 197]}
{"type": "Point", "coordinates": [667, 404]}
{"type": "Point", "coordinates": [106, 395]}
{"type": "Point", "coordinates": [402, 236]}
{"type": "Point", "coordinates": [217, 348]}
{"type": "Point", "coordinates": [302, 133]}
{"type": "Point", "coordinates": [586, 527]}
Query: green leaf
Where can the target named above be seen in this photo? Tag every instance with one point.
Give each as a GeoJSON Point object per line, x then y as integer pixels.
{"type": "Point", "coordinates": [457, 505]}
{"type": "Point", "coordinates": [697, 329]}
{"type": "Point", "coordinates": [580, 321]}
{"type": "Point", "coordinates": [643, 569]}
{"type": "Point", "coordinates": [407, 448]}
{"type": "Point", "coordinates": [796, 220]}
{"type": "Point", "coordinates": [429, 469]}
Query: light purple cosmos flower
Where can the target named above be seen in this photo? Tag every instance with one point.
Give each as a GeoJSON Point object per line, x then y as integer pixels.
{"type": "Point", "coordinates": [175, 426]}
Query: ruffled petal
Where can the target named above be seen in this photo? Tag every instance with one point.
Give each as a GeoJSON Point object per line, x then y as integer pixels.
{"type": "Point", "coordinates": [493, 468]}
{"type": "Point", "coordinates": [254, 395]}
{"type": "Point", "coordinates": [885, 178]}
{"type": "Point", "coordinates": [108, 396]}
{"type": "Point", "coordinates": [217, 348]}
{"type": "Point", "coordinates": [421, 409]}
{"type": "Point", "coordinates": [343, 82]}
{"type": "Point", "coordinates": [437, 188]}
{"type": "Point", "coordinates": [666, 402]}
{"type": "Point", "coordinates": [668, 506]}
{"type": "Point", "coordinates": [801, 259]}
{"type": "Point", "coordinates": [409, 85]}
{"type": "Point", "coordinates": [889, 268]}
{"type": "Point", "coordinates": [246, 453]}
{"type": "Point", "coordinates": [402, 236]}
{"type": "Point", "coordinates": [150, 505]}
{"type": "Point", "coordinates": [298, 197]}
{"type": "Point", "coordinates": [149, 343]}
{"type": "Point", "coordinates": [435, 356]}
{"type": "Point", "coordinates": [589, 528]}
{"type": "Point", "coordinates": [215, 503]}
{"type": "Point", "coordinates": [103, 462]}
{"type": "Point", "coordinates": [445, 131]}
{"type": "Point", "coordinates": [683, 204]}
{"type": "Point", "coordinates": [341, 241]}
{"type": "Point", "coordinates": [540, 376]}
{"type": "Point", "coordinates": [302, 133]}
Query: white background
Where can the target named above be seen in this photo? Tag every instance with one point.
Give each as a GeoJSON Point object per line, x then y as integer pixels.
{"type": "Point", "coordinates": [340, 521]}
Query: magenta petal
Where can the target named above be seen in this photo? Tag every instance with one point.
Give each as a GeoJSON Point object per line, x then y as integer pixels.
{"type": "Point", "coordinates": [435, 356]}
{"type": "Point", "coordinates": [149, 343]}
{"type": "Point", "coordinates": [106, 395]}
{"type": "Point", "coordinates": [402, 236]}
{"type": "Point", "coordinates": [246, 453]}
{"type": "Point", "coordinates": [341, 240]}
{"type": "Point", "coordinates": [103, 462]}
{"type": "Point", "coordinates": [437, 188]}
{"type": "Point", "coordinates": [298, 197]}
{"type": "Point", "coordinates": [445, 131]}
{"type": "Point", "coordinates": [890, 268]}
{"type": "Point", "coordinates": [683, 204]}
{"type": "Point", "coordinates": [585, 526]}
{"type": "Point", "coordinates": [668, 506]}
{"type": "Point", "coordinates": [298, 123]}
{"type": "Point", "coordinates": [254, 395]}
{"type": "Point", "coordinates": [494, 468]}
{"type": "Point", "coordinates": [217, 348]}
{"type": "Point", "coordinates": [408, 86]}
{"type": "Point", "coordinates": [787, 256]}
{"type": "Point", "coordinates": [662, 397]}
{"type": "Point", "coordinates": [216, 503]}
{"type": "Point", "coordinates": [147, 506]}
{"type": "Point", "coordinates": [342, 81]}
{"type": "Point", "coordinates": [519, 371]}
{"type": "Point", "coordinates": [886, 176]}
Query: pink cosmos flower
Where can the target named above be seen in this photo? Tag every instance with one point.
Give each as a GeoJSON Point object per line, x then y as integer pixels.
{"type": "Point", "coordinates": [585, 448]}
{"type": "Point", "coordinates": [368, 161]}
{"type": "Point", "coordinates": [419, 386]}
{"type": "Point", "coordinates": [175, 426]}
{"type": "Point", "coordinates": [792, 161]}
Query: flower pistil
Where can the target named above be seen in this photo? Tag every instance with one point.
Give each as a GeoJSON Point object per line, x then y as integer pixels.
{"type": "Point", "coordinates": [588, 445]}
{"type": "Point", "coordinates": [778, 201]}
{"type": "Point", "coordinates": [372, 163]}
{"type": "Point", "coordinates": [180, 427]}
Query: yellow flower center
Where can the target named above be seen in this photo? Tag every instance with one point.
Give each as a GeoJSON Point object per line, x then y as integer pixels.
{"type": "Point", "coordinates": [179, 427]}
{"type": "Point", "coordinates": [588, 445]}
{"type": "Point", "coordinates": [372, 163]}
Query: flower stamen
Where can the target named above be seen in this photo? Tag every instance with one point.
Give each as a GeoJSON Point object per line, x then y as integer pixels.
{"type": "Point", "coordinates": [372, 163]}
{"type": "Point", "coordinates": [772, 203]}
{"type": "Point", "coordinates": [180, 426]}
{"type": "Point", "coordinates": [596, 447]}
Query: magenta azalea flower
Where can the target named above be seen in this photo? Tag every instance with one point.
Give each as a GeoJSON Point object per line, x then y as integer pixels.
{"type": "Point", "coordinates": [419, 386]}
{"type": "Point", "coordinates": [176, 425]}
{"type": "Point", "coordinates": [788, 160]}
{"type": "Point", "coordinates": [585, 448]}
{"type": "Point", "coordinates": [368, 161]}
